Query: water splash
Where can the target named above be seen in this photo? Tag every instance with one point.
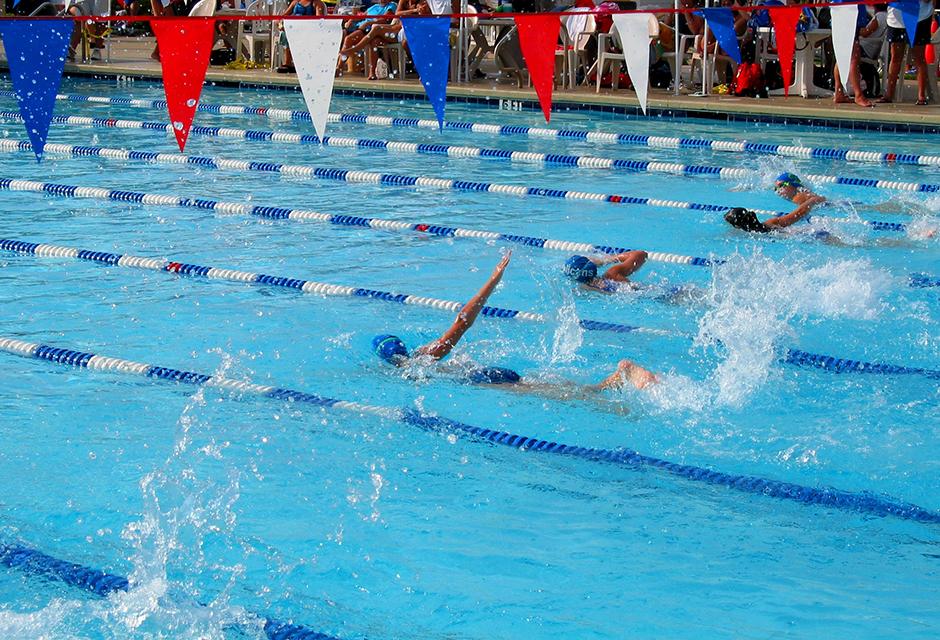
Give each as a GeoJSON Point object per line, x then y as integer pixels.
{"type": "Point", "coordinates": [755, 304]}
{"type": "Point", "coordinates": [183, 518]}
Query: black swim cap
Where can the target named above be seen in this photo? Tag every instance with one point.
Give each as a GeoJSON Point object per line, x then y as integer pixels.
{"type": "Point", "coordinates": [746, 220]}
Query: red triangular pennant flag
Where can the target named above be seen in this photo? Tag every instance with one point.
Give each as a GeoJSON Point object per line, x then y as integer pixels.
{"type": "Point", "coordinates": [185, 44]}
{"type": "Point", "coordinates": [538, 37]}
{"type": "Point", "coordinates": [784, 20]}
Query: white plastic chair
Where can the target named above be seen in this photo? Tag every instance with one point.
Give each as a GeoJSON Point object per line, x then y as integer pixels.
{"type": "Point", "coordinates": [710, 64]}
{"type": "Point", "coordinates": [685, 54]}
{"type": "Point", "coordinates": [605, 57]}
{"type": "Point", "coordinates": [203, 9]}
{"type": "Point", "coordinates": [576, 31]}
{"type": "Point", "coordinates": [259, 36]}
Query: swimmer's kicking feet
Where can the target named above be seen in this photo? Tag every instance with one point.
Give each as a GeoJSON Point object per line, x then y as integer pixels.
{"type": "Point", "coordinates": [393, 350]}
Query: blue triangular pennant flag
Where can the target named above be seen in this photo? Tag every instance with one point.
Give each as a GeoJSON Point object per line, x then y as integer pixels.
{"type": "Point", "coordinates": [909, 10]}
{"type": "Point", "coordinates": [429, 42]}
{"type": "Point", "coordinates": [721, 23]}
{"type": "Point", "coordinates": [36, 51]}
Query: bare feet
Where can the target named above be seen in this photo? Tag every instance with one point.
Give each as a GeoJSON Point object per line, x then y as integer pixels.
{"type": "Point", "coordinates": [884, 100]}
{"type": "Point", "coordinates": [629, 372]}
{"type": "Point", "coordinates": [841, 98]}
{"type": "Point", "coordinates": [862, 101]}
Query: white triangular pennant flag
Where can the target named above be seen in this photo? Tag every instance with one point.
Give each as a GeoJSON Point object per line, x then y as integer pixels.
{"type": "Point", "coordinates": [634, 30]}
{"type": "Point", "coordinates": [844, 19]}
{"type": "Point", "coordinates": [314, 45]}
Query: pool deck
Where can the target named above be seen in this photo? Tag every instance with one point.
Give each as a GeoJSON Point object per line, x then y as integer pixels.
{"type": "Point", "coordinates": [130, 57]}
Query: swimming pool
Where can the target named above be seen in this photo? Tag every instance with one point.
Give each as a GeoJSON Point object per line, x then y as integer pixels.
{"type": "Point", "coordinates": [217, 503]}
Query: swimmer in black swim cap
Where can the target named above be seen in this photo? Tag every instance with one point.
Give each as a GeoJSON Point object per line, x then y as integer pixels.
{"type": "Point", "coordinates": [583, 269]}
{"type": "Point", "coordinates": [393, 350]}
{"type": "Point", "coordinates": [746, 220]}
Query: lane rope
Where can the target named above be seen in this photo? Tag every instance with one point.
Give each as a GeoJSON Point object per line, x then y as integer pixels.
{"type": "Point", "coordinates": [661, 142]}
{"type": "Point", "coordinates": [792, 356]}
{"type": "Point", "coordinates": [845, 365]}
{"type": "Point", "coordinates": [323, 173]}
{"type": "Point", "coordinates": [860, 502]}
{"type": "Point", "coordinates": [297, 284]}
{"type": "Point", "coordinates": [377, 224]}
{"type": "Point", "coordinates": [592, 162]}
{"type": "Point", "coordinates": [350, 176]}
{"type": "Point", "coordinates": [923, 280]}
{"type": "Point", "coordinates": [33, 562]}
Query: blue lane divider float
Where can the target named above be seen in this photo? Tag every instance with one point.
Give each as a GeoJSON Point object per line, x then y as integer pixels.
{"type": "Point", "coordinates": [379, 224]}
{"type": "Point", "coordinates": [384, 179]}
{"type": "Point", "coordinates": [845, 365]}
{"type": "Point", "coordinates": [924, 280]}
{"type": "Point", "coordinates": [566, 160]}
{"type": "Point", "coordinates": [33, 562]}
{"type": "Point", "coordinates": [662, 142]}
{"type": "Point", "coordinates": [297, 284]}
{"type": "Point", "coordinates": [860, 502]}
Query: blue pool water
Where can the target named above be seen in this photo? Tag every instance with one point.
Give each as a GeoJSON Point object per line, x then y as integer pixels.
{"type": "Point", "coordinates": [219, 506]}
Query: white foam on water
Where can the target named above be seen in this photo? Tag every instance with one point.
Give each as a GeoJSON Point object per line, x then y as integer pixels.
{"type": "Point", "coordinates": [47, 623]}
{"type": "Point", "coordinates": [754, 306]}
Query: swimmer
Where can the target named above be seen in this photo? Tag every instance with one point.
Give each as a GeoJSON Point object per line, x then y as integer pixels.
{"type": "Point", "coordinates": [747, 220]}
{"type": "Point", "coordinates": [790, 187]}
{"type": "Point", "coordinates": [583, 269]}
{"type": "Point", "coordinates": [393, 350]}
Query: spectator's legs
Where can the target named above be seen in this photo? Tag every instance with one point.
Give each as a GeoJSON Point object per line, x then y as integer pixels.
{"type": "Point", "coordinates": [898, 50]}
{"type": "Point", "coordinates": [856, 80]}
{"type": "Point", "coordinates": [920, 63]}
{"type": "Point", "coordinates": [76, 34]}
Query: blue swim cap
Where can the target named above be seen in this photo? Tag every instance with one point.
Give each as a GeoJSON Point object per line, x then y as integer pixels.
{"type": "Point", "coordinates": [580, 268]}
{"type": "Point", "coordinates": [493, 375]}
{"type": "Point", "coordinates": [390, 348]}
{"type": "Point", "coordinates": [787, 179]}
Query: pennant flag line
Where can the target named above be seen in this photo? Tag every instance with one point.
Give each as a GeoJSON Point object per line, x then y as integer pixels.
{"type": "Point", "coordinates": [185, 45]}
{"type": "Point", "coordinates": [721, 23]}
{"type": "Point", "coordinates": [538, 36]}
{"type": "Point", "coordinates": [429, 42]}
{"type": "Point", "coordinates": [314, 45]}
{"type": "Point", "coordinates": [784, 20]}
{"type": "Point", "coordinates": [634, 30]}
{"type": "Point", "coordinates": [35, 51]}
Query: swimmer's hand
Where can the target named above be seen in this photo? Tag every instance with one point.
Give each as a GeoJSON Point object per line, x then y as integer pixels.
{"type": "Point", "coordinates": [503, 263]}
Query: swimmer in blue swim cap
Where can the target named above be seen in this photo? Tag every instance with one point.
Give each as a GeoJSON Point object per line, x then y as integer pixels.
{"type": "Point", "coordinates": [583, 269]}
{"type": "Point", "coordinates": [392, 350]}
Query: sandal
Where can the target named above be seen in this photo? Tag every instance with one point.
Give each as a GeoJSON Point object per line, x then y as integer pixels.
{"type": "Point", "coordinates": [286, 69]}
{"type": "Point", "coordinates": [884, 100]}
{"type": "Point", "coordinates": [921, 103]}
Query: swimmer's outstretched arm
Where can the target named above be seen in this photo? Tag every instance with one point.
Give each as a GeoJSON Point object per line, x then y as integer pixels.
{"type": "Point", "coordinates": [796, 215]}
{"type": "Point", "coordinates": [465, 319]}
{"type": "Point", "coordinates": [626, 265]}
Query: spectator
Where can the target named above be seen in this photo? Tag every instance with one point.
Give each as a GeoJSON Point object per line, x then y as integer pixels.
{"type": "Point", "coordinates": [297, 8]}
{"type": "Point", "coordinates": [897, 36]}
{"type": "Point", "coordinates": [855, 79]}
